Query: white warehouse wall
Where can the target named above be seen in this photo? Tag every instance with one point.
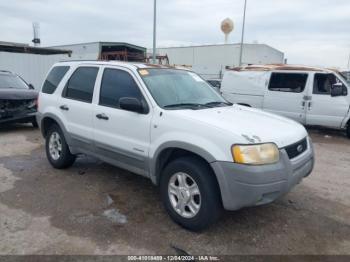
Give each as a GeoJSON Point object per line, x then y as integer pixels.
{"type": "Point", "coordinates": [211, 60]}
{"type": "Point", "coordinates": [88, 51]}
{"type": "Point", "coordinates": [32, 68]}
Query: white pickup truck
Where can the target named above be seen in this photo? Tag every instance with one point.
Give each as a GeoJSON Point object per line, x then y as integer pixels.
{"type": "Point", "coordinates": [170, 126]}
{"type": "Point", "coordinates": [309, 95]}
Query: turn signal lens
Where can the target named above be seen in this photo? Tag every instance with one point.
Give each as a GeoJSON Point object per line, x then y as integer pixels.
{"type": "Point", "coordinates": [255, 154]}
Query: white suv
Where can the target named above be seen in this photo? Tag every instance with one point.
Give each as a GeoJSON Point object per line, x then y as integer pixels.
{"type": "Point", "coordinates": [169, 125]}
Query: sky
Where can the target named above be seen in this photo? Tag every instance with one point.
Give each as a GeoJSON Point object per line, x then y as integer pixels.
{"type": "Point", "coordinates": [311, 32]}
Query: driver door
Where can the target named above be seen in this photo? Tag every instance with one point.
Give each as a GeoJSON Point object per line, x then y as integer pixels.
{"type": "Point", "coordinates": [121, 137]}
{"type": "Point", "coordinates": [323, 109]}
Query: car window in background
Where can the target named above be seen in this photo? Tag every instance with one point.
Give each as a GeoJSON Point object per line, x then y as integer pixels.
{"type": "Point", "coordinates": [115, 85]}
{"type": "Point", "coordinates": [171, 87]}
{"type": "Point", "coordinates": [12, 81]}
{"type": "Point", "coordinates": [81, 84]}
{"type": "Point", "coordinates": [286, 82]}
{"type": "Point", "coordinates": [54, 78]}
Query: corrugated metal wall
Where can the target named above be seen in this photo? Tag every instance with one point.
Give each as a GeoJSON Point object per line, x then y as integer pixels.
{"type": "Point", "coordinates": [88, 51]}
{"type": "Point", "coordinates": [32, 68]}
{"type": "Point", "coordinates": [210, 60]}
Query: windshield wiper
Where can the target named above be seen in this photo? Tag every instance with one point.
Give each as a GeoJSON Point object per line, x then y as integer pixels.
{"type": "Point", "coordinates": [186, 105]}
{"type": "Point", "coordinates": [218, 103]}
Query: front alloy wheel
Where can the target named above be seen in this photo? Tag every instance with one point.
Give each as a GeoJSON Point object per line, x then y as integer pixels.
{"type": "Point", "coordinates": [184, 195]}
{"type": "Point", "coordinates": [190, 193]}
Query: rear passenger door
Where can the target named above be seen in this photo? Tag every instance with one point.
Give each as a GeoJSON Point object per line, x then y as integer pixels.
{"type": "Point", "coordinates": [121, 137]}
{"type": "Point", "coordinates": [323, 109]}
{"type": "Point", "coordinates": [286, 95]}
{"type": "Point", "coordinates": [76, 107]}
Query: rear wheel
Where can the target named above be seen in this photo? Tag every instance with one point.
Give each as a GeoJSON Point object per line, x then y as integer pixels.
{"type": "Point", "coordinates": [57, 150]}
{"type": "Point", "coordinates": [348, 130]}
{"type": "Point", "coordinates": [190, 193]}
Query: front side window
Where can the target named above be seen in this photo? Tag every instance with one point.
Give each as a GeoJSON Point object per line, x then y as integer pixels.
{"type": "Point", "coordinates": [117, 84]}
{"type": "Point", "coordinates": [174, 89]}
{"type": "Point", "coordinates": [81, 84]}
{"type": "Point", "coordinates": [323, 83]}
{"type": "Point", "coordinates": [12, 81]}
{"type": "Point", "coordinates": [54, 78]}
{"type": "Point", "coordinates": [288, 82]}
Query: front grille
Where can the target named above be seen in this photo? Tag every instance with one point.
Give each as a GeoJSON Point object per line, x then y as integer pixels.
{"type": "Point", "coordinates": [296, 149]}
{"type": "Point", "coordinates": [11, 108]}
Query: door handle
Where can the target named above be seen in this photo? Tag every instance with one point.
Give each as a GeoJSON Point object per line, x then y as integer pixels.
{"type": "Point", "coordinates": [303, 104]}
{"type": "Point", "coordinates": [102, 116]}
{"type": "Point", "coordinates": [64, 107]}
{"type": "Point", "coordinates": [309, 105]}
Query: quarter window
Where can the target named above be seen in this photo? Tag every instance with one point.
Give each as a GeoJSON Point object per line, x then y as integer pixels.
{"type": "Point", "coordinates": [54, 78]}
{"type": "Point", "coordinates": [284, 82]}
{"type": "Point", "coordinates": [81, 84]}
{"type": "Point", "coordinates": [117, 84]}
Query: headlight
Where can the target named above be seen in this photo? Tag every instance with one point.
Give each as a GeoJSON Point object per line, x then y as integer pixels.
{"type": "Point", "coordinates": [255, 154]}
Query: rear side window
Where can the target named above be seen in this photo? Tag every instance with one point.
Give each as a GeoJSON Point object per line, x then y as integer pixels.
{"type": "Point", "coordinates": [284, 82]}
{"type": "Point", "coordinates": [81, 84]}
{"type": "Point", "coordinates": [54, 78]}
{"type": "Point", "coordinates": [115, 85]}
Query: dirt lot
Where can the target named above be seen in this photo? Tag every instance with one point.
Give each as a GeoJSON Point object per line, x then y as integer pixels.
{"type": "Point", "coordinates": [94, 208]}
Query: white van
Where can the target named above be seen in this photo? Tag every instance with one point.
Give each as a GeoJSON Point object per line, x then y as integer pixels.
{"type": "Point", "coordinates": [309, 95]}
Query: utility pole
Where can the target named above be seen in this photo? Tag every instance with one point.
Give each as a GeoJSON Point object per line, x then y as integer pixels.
{"type": "Point", "coordinates": [242, 39]}
{"type": "Point", "coordinates": [154, 31]}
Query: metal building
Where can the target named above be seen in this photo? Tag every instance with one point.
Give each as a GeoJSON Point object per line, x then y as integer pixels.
{"type": "Point", "coordinates": [210, 61]}
{"type": "Point", "coordinates": [31, 63]}
{"type": "Point", "coordinates": [106, 51]}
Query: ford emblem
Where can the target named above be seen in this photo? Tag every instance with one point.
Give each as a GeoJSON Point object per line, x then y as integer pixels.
{"type": "Point", "coordinates": [300, 148]}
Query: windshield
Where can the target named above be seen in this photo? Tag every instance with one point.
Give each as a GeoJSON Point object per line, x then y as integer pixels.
{"type": "Point", "coordinates": [172, 88]}
{"type": "Point", "coordinates": [12, 81]}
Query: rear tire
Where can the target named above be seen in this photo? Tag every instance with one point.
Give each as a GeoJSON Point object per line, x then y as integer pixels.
{"type": "Point", "coordinates": [57, 150]}
{"type": "Point", "coordinates": [197, 203]}
{"type": "Point", "coordinates": [348, 130]}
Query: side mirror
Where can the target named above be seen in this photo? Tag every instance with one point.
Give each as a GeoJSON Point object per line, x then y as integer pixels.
{"type": "Point", "coordinates": [131, 104]}
{"type": "Point", "coordinates": [31, 86]}
{"type": "Point", "coordinates": [338, 89]}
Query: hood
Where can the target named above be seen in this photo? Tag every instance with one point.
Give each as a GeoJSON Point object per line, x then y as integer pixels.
{"type": "Point", "coordinates": [17, 94]}
{"type": "Point", "coordinates": [251, 125]}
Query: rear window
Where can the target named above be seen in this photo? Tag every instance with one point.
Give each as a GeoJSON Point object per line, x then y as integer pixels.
{"type": "Point", "coordinates": [284, 82]}
{"type": "Point", "coordinates": [81, 84]}
{"type": "Point", "coordinates": [54, 78]}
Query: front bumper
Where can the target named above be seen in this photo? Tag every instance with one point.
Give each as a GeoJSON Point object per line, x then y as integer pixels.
{"type": "Point", "coordinates": [244, 186]}
{"type": "Point", "coordinates": [19, 118]}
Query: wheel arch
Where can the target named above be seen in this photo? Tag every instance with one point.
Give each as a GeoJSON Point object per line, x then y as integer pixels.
{"type": "Point", "coordinates": [49, 119]}
{"type": "Point", "coordinates": [173, 150]}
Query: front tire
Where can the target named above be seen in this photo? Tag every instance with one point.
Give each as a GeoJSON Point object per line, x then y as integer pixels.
{"type": "Point", "coordinates": [348, 130]}
{"type": "Point", "coordinates": [190, 193]}
{"type": "Point", "coordinates": [57, 150]}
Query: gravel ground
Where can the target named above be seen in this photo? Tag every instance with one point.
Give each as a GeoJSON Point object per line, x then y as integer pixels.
{"type": "Point", "coordinates": [94, 208]}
